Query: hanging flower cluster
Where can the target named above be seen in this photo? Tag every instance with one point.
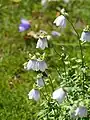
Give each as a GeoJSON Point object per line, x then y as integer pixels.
{"type": "Point", "coordinates": [37, 63]}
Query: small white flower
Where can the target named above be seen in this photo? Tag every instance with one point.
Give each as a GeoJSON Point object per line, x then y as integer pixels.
{"type": "Point", "coordinates": [85, 36]}
{"type": "Point", "coordinates": [34, 94]}
{"type": "Point", "coordinates": [40, 82]}
{"type": "Point", "coordinates": [59, 95]}
{"type": "Point", "coordinates": [42, 43]}
{"type": "Point", "coordinates": [42, 65]}
{"type": "Point", "coordinates": [60, 21]}
{"type": "Point", "coordinates": [81, 111]}
{"type": "Point", "coordinates": [31, 65]}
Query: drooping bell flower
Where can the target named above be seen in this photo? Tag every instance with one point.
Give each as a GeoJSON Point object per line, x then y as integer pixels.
{"type": "Point", "coordinates": [34, 94]}
{"type": "Point", "coordinates": [59, 95]}
{"type": "Point", "coordinates": [41, 64]}
{"type": "Point", "coordinates": [42, 43]}
{"type": "Point", "coordinates": [60, 21]}
{"type": "Point", "coordinates": [24, 25]}
{"type": "Point", "coordinates": [31, 65]}
{"type": "Point", "coordinates": [81, 112]}
{"type": "Point", "coordinates": [43, 40]}
{"type": "Point", "coordinates": [35, 64]}
{"type": "Point", "coordinates": [85, 36]}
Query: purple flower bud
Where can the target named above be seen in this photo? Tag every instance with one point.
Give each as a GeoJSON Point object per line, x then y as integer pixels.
{"type": "Point", "coordinates": [55, 33]}
{"type": "Point", "coordinates": [25, 25]}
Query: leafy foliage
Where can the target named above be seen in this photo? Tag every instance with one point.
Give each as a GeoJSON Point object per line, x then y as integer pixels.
{"type": "Point", "coordinates": [63, 59]}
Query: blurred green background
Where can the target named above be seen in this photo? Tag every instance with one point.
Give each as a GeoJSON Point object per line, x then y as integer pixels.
{"type": "Point", "coordinates": [15, 83]}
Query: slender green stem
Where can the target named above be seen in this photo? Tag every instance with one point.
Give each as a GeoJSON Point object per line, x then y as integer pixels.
{"type": "Point", "coordinates": [51, 83]}
{"type": "Point", "coordinates": [45, 88]}
{"type": "Point", "coordinates": [78, 36]}
{"type": "Point", "coordinates": [64, 66]}
{"type": "Point", "coordinates": [44, 95]}
{"type": "Point", "coordinates": [62, 60]}
{"type": "Point", "coordinates": [82, 56]}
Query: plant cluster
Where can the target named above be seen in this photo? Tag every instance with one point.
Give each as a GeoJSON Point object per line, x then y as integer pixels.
{"type": "Point", "coordinates": [66, 97]}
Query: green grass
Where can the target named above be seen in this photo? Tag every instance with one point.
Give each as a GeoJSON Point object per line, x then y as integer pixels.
{"type": "Point", "coordinates": [15, 82]}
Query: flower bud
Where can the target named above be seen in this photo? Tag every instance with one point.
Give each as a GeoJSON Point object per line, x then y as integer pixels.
{"type": "Point", "coordinates": [25, 25]}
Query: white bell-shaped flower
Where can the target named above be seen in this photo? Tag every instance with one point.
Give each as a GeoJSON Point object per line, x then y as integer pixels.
{"type": "Point", "coordinates": [81, 112]}
{"type": "Point", "coordinates": [59, 95]}
{"type": "Point", "coordinates": [34, 94]}
{"type": "Point", "coordinates": [31, 65]}
{"type": "Point", "coordinates": [85, 36]}
{"type": "Point", "coordinates": [40, 82]}
{"type": "Point", "coordinates": [60, 21]}
{"type": "Point", "coordinates": [42, 43]}
{"type": "Point", "coordinates": [42, 66]}
{"type": "Point", "coordinates": [35, 65]}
